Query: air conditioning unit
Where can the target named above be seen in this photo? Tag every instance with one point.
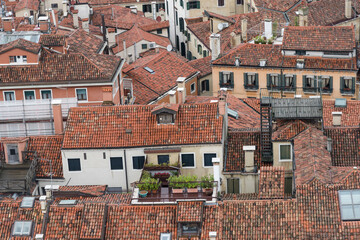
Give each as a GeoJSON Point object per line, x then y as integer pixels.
{"type": "Point", "coordinates": [152, 45]}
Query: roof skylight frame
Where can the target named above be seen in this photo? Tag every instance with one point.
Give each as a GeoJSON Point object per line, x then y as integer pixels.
{"type": "Point", "coordinates": [27, 202]}
{"type": "Point", "coordinates": [67, 202]}
{"type": "Point", "coordinates": [22, 228]}
{"type": "Point", "coordinates": [149, 70]}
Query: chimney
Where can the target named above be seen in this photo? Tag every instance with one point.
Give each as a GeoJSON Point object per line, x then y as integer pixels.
{"type": "Point", "coordinates": [133, 9]}
{"type": "Point", "coordinates": [172, 97]}
{"type": "Point", "coordinates": [303, 17]}
{"type": "Point", "coordinates": [181, 90]}
{"type": "Point", "coordinates": [85, 24]}
{"type": "Point", "coordinates": [111, 36]}
{"type": "Point", "coordinates": [235, 39]}
{"type": "Point", "coordinates": [39, 236]}
{"type": "Point", "coordinates": [7, 23]}
{"type": "Point", "coordinates": [348, 8]}
{"type": "Point", "coordinates": [49, 189]}
{"type": "Point", "coordinates": [107, 95]}
{"type": "Point", "coordinates": [64, 7]}
{"type": "Point", "coordinates": [58, 118]}
{"type": "Point", "coordinates": [249, 158]}
{"type": "Point", "coordinates": [216, 168]}
{"type": "Point", "coordinates": [268, 28]}
{"type": "Point", "coordinates": [43, 204]}
{"type": "Point", "coordinates": [44, 23]}
{"type": "Point", "coordinates": [75, 18]}
{"type": "Point", "coordinates": [212, 235]}
{"type": "Point", "coordinates": [329, 144]}
{"type": "Point", "coordinates": [215, 46]}
{"type": "Point", "coordinates": [244, 29]}
{"type": "Point", "coordinates": [153, 5]}
{"type": "Point", "coordinates": [337, 118]}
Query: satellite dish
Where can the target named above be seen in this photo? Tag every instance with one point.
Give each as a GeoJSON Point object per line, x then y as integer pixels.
{"type": "Point", "coordinates": [220, 26]}
{"type": "Point", "coordinates": [169, 48]}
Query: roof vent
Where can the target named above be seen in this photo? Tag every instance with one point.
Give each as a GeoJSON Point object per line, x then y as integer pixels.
{"type": "Point", "coordinates": [27, 202]}
{"type": "Point", "coordinates": [232, 113]}
{"type": "Point", "coordinates": [262, 62]}
{"type": "Point", "coordinates": [67, 202]}
{"type": "Point", "coordinates": [300, 63]}
{"type": "Point", "coordinates": [149, 70]}
{"type": "Point", "coordinates": [237, 61]}
{"type": "Point", "coordinates": [128, 131]}
{"type": "Point", "coordinates": [340, 102]}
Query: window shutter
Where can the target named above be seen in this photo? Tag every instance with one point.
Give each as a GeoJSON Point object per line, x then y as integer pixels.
{"type": "Point", "coordinates": [232, 79]}
{"type": "Point", "coordinates": [187, 5]}
{"type": "Point", "coordinates": [230, 185]}
{"type": "Point", "coordinates": [245, 79]}
{"type": "Point", "coordinates": [319, 80]}
{"type": "Point", "coordinates": [198, 4]}
{"type": "Point", "coordinates": [353, 85]}
{"type": "Point", "coordinates": [221, 79]}
{"type": "Point", "coordinates": [207, 85]}
{"type": "Point", "coordinates": [268, 81]}
{"type": "Point", "coordinates": [257, 80]}
{"type": "Point", "coordinates": [341, 84]}
{"type": "Point", "coordinates": [331, 84]}
{"type": "Point", "coordinates": [304, 81]}
{"type": "Point", "coordinates": [236, 185]}
{"type": "Point", "coordinates": [294, 82]}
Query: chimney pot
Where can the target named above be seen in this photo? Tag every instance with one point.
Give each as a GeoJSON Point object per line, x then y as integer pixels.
{"type": "Point", "coordinates": [215, 46]}
{"type": "Point", "coordinates": [348, 8]}
{"type": "Point", "coordinates": [244, 29]}
{"type": "Point", "coordinates": [172, 95]}
{"type": "Point", "coordinates": [85, 24]}
{"type": "Point", "coordinates": [75, 18]}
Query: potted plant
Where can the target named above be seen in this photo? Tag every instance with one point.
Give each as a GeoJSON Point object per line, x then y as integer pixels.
{"type": "Point", "coordinates": [162, 176]}
{"type": "Point", "coordinates": [149, 185]}
{"type": "Point", "coordinates": [191, 184]}
{"type": "Point", "coordinates": [177, 183]}
{"type": "Point", "coordinates": [207, 184]}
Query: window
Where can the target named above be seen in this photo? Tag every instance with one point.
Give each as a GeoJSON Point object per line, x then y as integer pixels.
{"type": "Point", "coordinates": [193, 5]}
{"type": "Point", "coordinates": [192, 87]}
{"type": "Point", "coordinates": [309, 83]}
{"type": "Point", "coordinates": [67, 202]}
{"type": "Point", "coordinates": [18, 59]}
{"type": "Point", "coordinates": [27, 202]}
{"type": "Point", "coordinates": [45, 94]}
{"type": "Point", "coordinates": [240, 2]}
{"type": "Point", "coordinates": [285, 152]}
{"type": "Point", "coordinates": [116, 163]}
{"type": "Point", "coordinates": [233, 185]}
{"type": "Point", "coordinates": [288, 185]}
{"type": "Point", "coordinates": [163, 159]}
{"type": "Point", "coordinates": [24, 58]}
{"type": "Point", "coordinates": [251, 81]}
{"type": "Point", "coordinates": [221, 3]}
{"type": "Point", "coordinates": [160, 6]}
{"type": "Point", "coordinates": [147, 8]}
{"type": "Point", "coordinates": [176, 18]}
{"type": "Point", "coordinates": [165, 118]}
{"type": "Point", "coordinates": [325, 83]}
{"type": "Point", "coordinates": [31, 13]}
{"type": "Point", "coordinates": [22, 228]}
{"type": "Point", "coordinates": [204, 53]}
{"type": "Point", "coordinates": [273, 81]}
{"type": "Point", "coordinates": [9, 96]}
{"type": "Point", "coordinates": [189, 228]}
{"type": "Point", "coordinates": [226, 79]}
{"type": "Point", "coordinates": [289, 82]}
{"type": "Point", "coordinates": [187, 160]}
{"type": "Point", "coordinates": [159, 31]}
{"type": "Point", "coordinates": [199, 49]}
{"type": "Point", "coordinates": [300, 52]}
{"type": "Point", "coordinates": [205, 86]}
{"type": "Point", "coordinates": [74, 164]}
{"type": "Point", "coordinates": [12, 59]}
{"type": "Point", "coordinates": [81, 94]}
{"type": "Point", "coordinates": [144, 46]}
{"type": "Point", "coordinates": [182, 28]}
{"type": "Point", "coordinates": [347, 85]}
{"type": "Point", "coordinates": [165, 236]}
{"type": "Point", "coordinates": [167, 7]}
{"type": "Point", "coordinates": [349, 204]}
{"type": "Point", "coordinates": [54, 5]}
{"type": "Point", "coordinates": [138, 162]}
{"type": "Point", "coordinates": [181, 3]}
{"type": "Point", "coordinates": [208, 159]}
{"type": "Point", "coordinates": [29, 95]}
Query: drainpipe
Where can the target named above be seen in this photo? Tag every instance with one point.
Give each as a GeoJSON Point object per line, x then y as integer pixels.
{"type": "Point", "coordinates": [126, 174]}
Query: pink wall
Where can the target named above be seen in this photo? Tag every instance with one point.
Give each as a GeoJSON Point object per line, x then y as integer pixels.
{"type": "Point", "coordinates": [31, 57]}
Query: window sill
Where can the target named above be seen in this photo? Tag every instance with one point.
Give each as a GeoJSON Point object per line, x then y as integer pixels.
{"type": "Point", "coordinates": [285, 160]}
{"type": "Point", "coordinates": [251, 90]}
{"type": "Point", "coordinates": [347, 94]}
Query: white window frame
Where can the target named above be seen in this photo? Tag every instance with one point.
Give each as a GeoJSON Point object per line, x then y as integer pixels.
{"type": "Point", "coordinates": [285, 160]}
{"type": "Point", "coordinates": [123, 164]}
{"type": "Point", "coordinates": [46, 90]}
{"type": "Point", "coordinates": [9, 100]}
{"type": "Point", "coordinates": [67, 163]}
{"type": "Point", "coordinates": [193, 84]}
{"type": "Point", "coordinates": [165, 236]}
{"type": "Point", "coordinates": [29, 91]}
{"type": "Point", "coordinates": [344, 204]}
{"type": "Point", "coordinates": [188, 153]}
{"type": "Point", "coordinates": [87, 96]}
{"type": "Point", "coordinates": [204, 159]}
{"type": "Point", "coordinates": [22, 227]}
{"type": "Point", "coordinates": [132, 162]}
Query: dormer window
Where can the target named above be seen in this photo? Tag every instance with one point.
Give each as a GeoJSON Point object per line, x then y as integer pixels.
{"type": "Point", "coordinates": [165, 113]}
{"type": "Point", "coordinates": [18, 59]}
{"type": "Point", "coordinates": [165, 118]}
{"type": "Point", "coordinates": [300, 63]}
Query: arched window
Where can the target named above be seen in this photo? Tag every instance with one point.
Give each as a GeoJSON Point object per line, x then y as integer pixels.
{"type": "Point", "coordinates": [199, 49]}
{"type": "Point", "coordinates": [181, 21]}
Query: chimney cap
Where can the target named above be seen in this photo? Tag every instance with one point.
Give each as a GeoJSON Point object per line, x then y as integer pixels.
{"type": "Point", "coordinates": [181, 79]}
{"type": "Point", "coordinates": [42, 198]}
{"type": "Point", "coordinates": [249, 148]}
{"type": "Point", "coordinates": [180, 89]}
{"type": "Point", "coordinates": [172, 92]}
{"type": "Point", "coordinates": [212, 234]}
{"type": "Point", "coordinates": [216, 160]}
{"type": "Point", "coordinates": [52, 187]}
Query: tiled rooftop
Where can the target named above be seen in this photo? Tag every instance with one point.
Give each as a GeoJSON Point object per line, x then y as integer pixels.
{"type": "Point", "coordinates": [350, 114]}
{"type": "Point", "coordinates": [27, 4]}
{"type": "Point", "coordinates": [91, 190]}
{"type": "Point", "coordinates": [154, 26]}
{"type": "Point", "coordinates": [190, 211]}
{"type": "Point", "coordinates": [89, 127]}
{"type": "Point", "coordinates": [52, 40]}
{"type": "Point", "coordinates": [203, 65]}
{"type": "Point", "coordinates": [21, 44]}
{"type": "Point", "coordinates": [289, 130]}
{"type": "Point", "coordinates": [83, 42]}
{"type": "Point", "coordinates": [272, 183]}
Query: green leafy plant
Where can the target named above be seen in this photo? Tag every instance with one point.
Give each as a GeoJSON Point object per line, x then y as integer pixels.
{"type": "Point", "coordinates": [191, 182]}
{"type": "Point", "coordinates": [207, 181]}
{"type": "Point", "coordinates": [149, 184]}
{"type": "Point", "coordinates": [182, 181]}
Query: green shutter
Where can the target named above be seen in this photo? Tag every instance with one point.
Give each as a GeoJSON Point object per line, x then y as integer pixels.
{"type": "Point", "coordinates": [304, 81]}
{"type": "Point", "coordinates": [257, 80]}
{"type": "Point", "coordinates": [245, 80]}
{"type": "Point", "coordinates": [230, 185]}
{"type": "Point", "coordinates": [198, 5]}
{"type": "Point", "coordinates": [232, 79]}
{"type": "Point", "coordinates": [187, 5]}
{"type": "Point", "coordinates": [331, 84]}
{"type": "Point", "coordinates": [341, 84]}
{"type": "Point", "coordinates": [319, 80]}
{"type": "Point", "coordinates": [281, 80]}
{"type": "Point", "coordinates": [236, 185]}
{"type": "Point", "coordinates": [221, 80]}
{"type": "Point", "coordinates": [294, 82]}
{"type": "Point", "coordinates": [353, 85]}
{"type": "Point", "coordinates": [268, 81]}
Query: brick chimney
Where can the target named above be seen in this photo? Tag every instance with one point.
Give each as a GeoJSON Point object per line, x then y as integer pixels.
{"type": "Point", "coordinates": [215, 46]}
{"type": "Point", "coordinates": [249, 158]}
{"type": "Point", "coordinates": [7, 23]}
{"type": "Point", "coordinates": [272, 183]}
{"type": "Point", "coordinates": [44, 24]}
{"type": "Point", "coordinates": [244, 29]}
{"type": "Point", "coordinates": [58, 118]}
{"type": "Point", "coordinates": [75, 18]}
{"type": "Point", "coordinates": [85, 24]}
{"type": "Point", "coordinates": [107, 96]}
{"type": "Point", "coordinates": [348, 8]}
{"type": "Point", "coordinates": [181, 90]}
{"type": "Point", "coordinates": [235, 39]}
{"type": "Point", "coordinates": [64, 7]}
{"type": "Point", "coordinates": [303, 17]}
{"type": "Point", "coordinates": [336, 118]}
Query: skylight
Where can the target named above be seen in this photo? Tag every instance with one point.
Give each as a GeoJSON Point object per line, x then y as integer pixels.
{"type": "Point", "coordinates": [350, 204]}
{"type": "Point", "coordinates": [67, 202]}
{"type": "Point", "coordinates": [340, 102]}
{"type": "Point", "coordinates": [22, 228]}
{"type": "Point", "coordinates": [165, 236]}
{"type": "Point", "coordinates": [27, 202]}
{"type": "Point", "coordinates": [232, 113]}
{"type": "Point", "coordinates": [149, 70]}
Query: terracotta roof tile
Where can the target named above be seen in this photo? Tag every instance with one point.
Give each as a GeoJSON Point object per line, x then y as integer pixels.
{"type": "Point", "coordinates": [27, 4]}
{"type": "Point", "coordinates": [21, 44]}
{"type": "Point", "coordinates": [350, 114]}
{"type": "Point", "coordinates": [49, 148]}
{"type": "Point", "coordinates": [51, 40]}
{"type": "Point", "coordinates": [7, 217]}
{"type": "Point", "coordinates": [279, 5]}
{"type": "Point", "coordinates": [254, 103]}
{"type": "Point", "coordinates": [203, 65]}
{"type": "Point", "coordinates": [190, 211]}
{"type": "Point", "coordinates": [272, 183]}
{"type": "Point", "coordinates": [83, 42]}
{"type": "Point", "coordinates": [93, 221]}
{"type": "Point", "coordinates": [338, 38]}
{"type": "Point", "coordinates": [92, 190]}
{"type": "Point", "coordinates": [289, 130]}
{"type": "Point", "coordinates": [154, 26]}
{"type": "Point", "coordinates": [210, 221]}
{"type": "Point", "coordinates": [198, 123]}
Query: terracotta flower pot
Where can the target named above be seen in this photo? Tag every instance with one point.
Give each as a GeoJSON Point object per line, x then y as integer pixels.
{"type": "Point", "coordinates": [174, 190]}
{"type": "Point", "coordinates": [192, 190]}
{"type": "Point", "coordinates": [208, 191]}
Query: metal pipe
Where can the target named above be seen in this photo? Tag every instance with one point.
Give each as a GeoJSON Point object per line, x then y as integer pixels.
{"type": "Point", "coordinates": [126, 176]}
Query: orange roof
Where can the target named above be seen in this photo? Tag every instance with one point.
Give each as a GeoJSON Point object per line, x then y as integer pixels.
{"type": "Point", "coordinates": [27, 4]}
{"type": "Point", "coordinates": [136, 126]}
{"type": "Point", "coordinates": [22, 44]}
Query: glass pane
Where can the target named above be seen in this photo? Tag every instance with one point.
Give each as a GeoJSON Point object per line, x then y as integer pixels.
{"type": "Point", "coordinates": [81, 94]}
{"type": "Point", "coordinates": [29, 95]}
{"type": "Point", "coordinates": [17, 228]}
{"type": "Point", "coordinates": [74, 164]}
{"type": "Point", "coordinates": [357, 211]}
{"type": "Point", "coordinates": [187, 160]}
{"type": "Point", "coordinates": [356, 196]}
{"type": "Point", "coordinates": [208, 159]}
{"type": "Point", "coordinates": [46, 94]}
{"type": "Point", "coordinates": [345, 197]}
{"type": "Point", "coordinates": [285, 152]}
{"type": "Point", "coordinates": [9, 96]}
{"type": "Point", "coordinates": [163, 159]}
{"type": "Point", "coordinates": [116, 163]}
{"type": "Point", "coordinates": [347, 213]}
{"type": "Point", "coordinates": [26, 228]}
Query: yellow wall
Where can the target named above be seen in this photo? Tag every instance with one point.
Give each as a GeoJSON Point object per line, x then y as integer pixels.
{"type": "Point", "coordinates": [209, 93]}
{"type": "Point", "coordinates": [239, 90]}
{"type": "Point", "coordinates": [276, 157]}
{"type": "Point", "coordinates": [192, 46]}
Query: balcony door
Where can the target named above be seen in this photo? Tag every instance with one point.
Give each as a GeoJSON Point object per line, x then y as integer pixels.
{"type": "Point", "coordinates": [13, 153]}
